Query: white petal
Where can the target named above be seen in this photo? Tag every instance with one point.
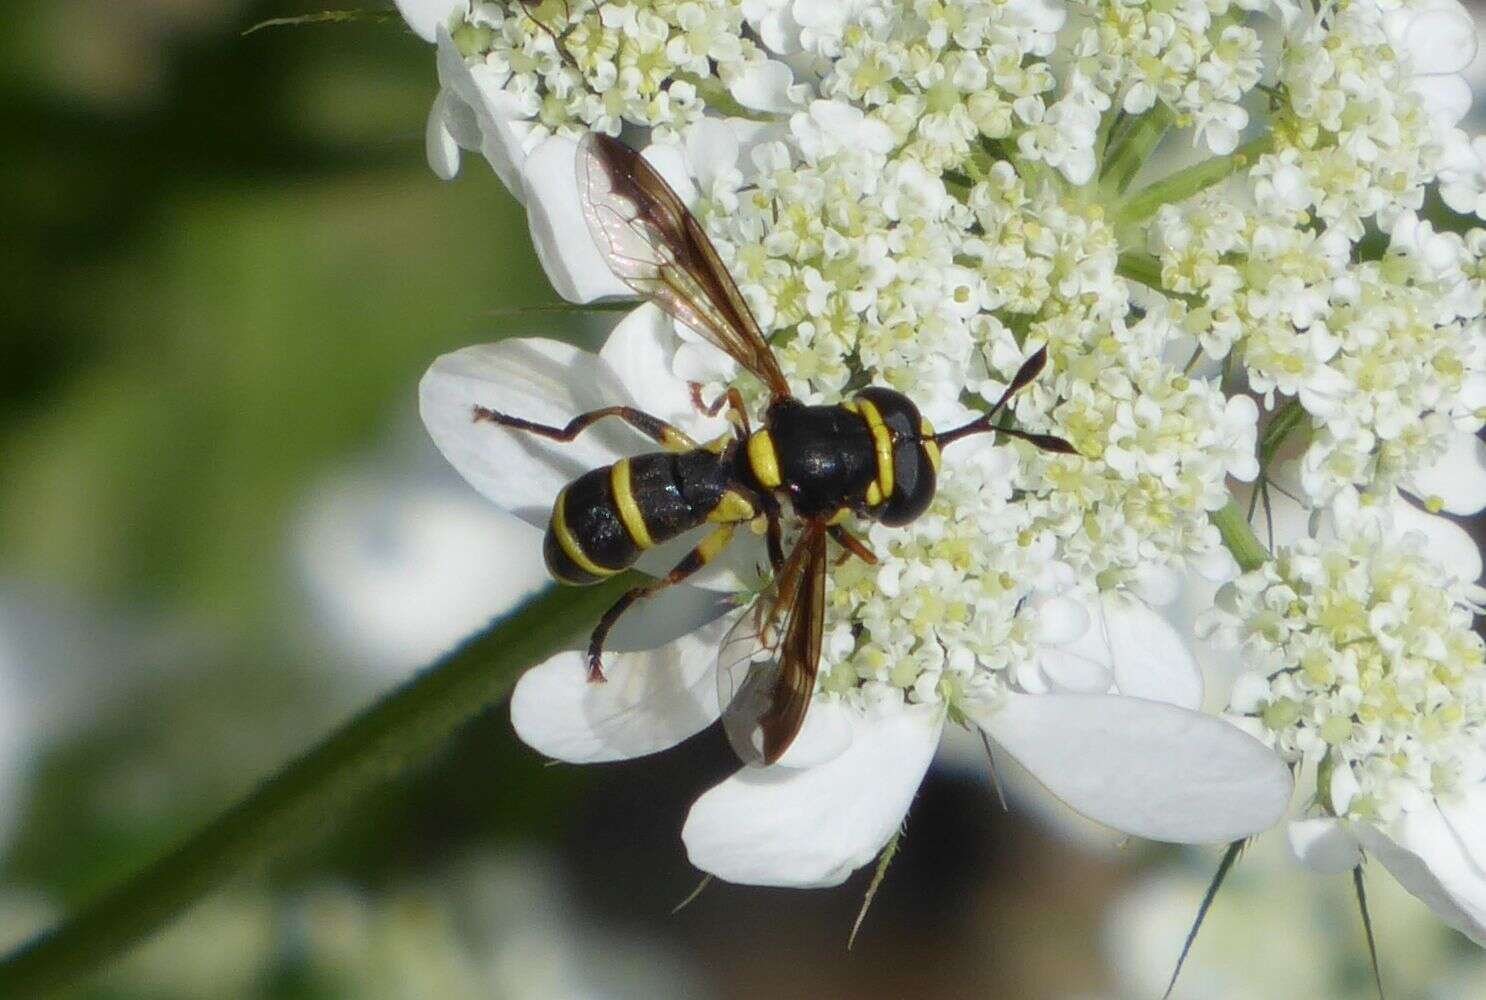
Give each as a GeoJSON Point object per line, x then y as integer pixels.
{"type": "Point", "coordinates": [438, 141]}
{"type": "Point", "coordinates": [1156, 585]}
{"type": "Point", "coordinates": [494, 112]}
{"type": "Point", "coordinates": [559, 232]}
{"type": "Point", "coordinates": [1466, 817]}
{"type": "Point", "coordinates": [711, 150]}
{"type": "Point", "coordinates": [652, 700]}
{"type": "Point", "coordinates": [639, 351]}
{"type": "Point", "coordinates": [1324, 845]}
{"type": "Point", "coordinates": [814, 827]}
{"type": "Point", "coordinates": [765, 86]}
{"type": "Point", "coordinates": [1428, 862]}
{"type": "Point", "coordinates": [1441, 41]}
{"type": "Point", "coordinates": [424, 16]}
{"type": "Point", "coordinates": [825, 735]}
{"type": "Point", "coordinates": [1218, 664]}
{"type": "Point", "coordinates": [1447, 542]}
{"type": "Point", "coordinates": [1071, 672]}
{"type": "Point", "coordinates": [540, 380]}
{"type": "Point", "coordinates": [1060, 620]}
{"type": "Point", "coordinates": [669, 160]}
{"type": "Point", "coordinates": [1447, 98]}
{"type": "Point", "coordinates": [1149, 769]}
{"type": "Point", "coordinates": [1459, 477]}
{"type": "Point", "coordinates": [1150, 658]}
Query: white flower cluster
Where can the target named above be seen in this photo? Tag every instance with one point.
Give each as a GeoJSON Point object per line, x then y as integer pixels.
{"type": "Point", "coordinates": [945, 76]}
{"type": "Point", "coordinates": [1387, 356]}
{"type": "Point", "coordinates": [921, 193]}
{"type": "Point", "coordinates": [1364, 140]}
{"type": "Point", "coordinates": [576, 65]}
{"type": "Point", "coordinates": [1364, 662]}
{"type": "Point", "coordinates": [863, 264]}
{"type": "Point", "coordinates": [1195, 57]}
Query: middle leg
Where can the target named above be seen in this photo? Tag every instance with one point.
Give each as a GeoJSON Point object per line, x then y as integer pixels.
{"type": "Point", "coordinates": [853, 545]}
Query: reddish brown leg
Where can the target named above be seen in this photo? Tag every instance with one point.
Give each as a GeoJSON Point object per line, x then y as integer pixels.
{"type": "Point", "coordinates": [853, 545]}
{"type": "Point", "coordinates": [732, 399]}
{"type": "Point", "coordinates": [694, 560]}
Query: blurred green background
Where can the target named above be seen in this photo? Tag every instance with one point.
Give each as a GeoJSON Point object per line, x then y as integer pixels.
{"type": "Point", "coordinates": [225, 268]}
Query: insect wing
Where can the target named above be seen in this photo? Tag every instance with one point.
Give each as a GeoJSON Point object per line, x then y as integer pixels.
{"type": "Point", "coordinates": [768, 661]}
{"type": "Point", "coordinates": [656, 246]}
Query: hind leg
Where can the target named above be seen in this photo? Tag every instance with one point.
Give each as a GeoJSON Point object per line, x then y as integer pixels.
{"type": "Point", "coordinates": [694, 560]}
{"type": "Point", "coordinates": [667, 436]}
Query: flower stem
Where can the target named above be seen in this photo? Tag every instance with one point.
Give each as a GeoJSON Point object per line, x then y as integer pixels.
{"type": "Point", "coordinates": [1134, 147]}
{"type": "Point", "coordinates": [300, 802]}
{"type": "Point", "coordinates": [1286, 419]}
{"type": "Point", "coordinates": [1239, 538]}
{"type": "Point", "coordinates": [1146, 269]}
{"type": "Point", "coordinates": [1185, 183]}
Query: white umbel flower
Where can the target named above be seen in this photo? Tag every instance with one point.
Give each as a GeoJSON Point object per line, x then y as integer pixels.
{"type": "Point", "coordinates": [919, 194]}
{"type": "Point", "coordinates": [1148, 767]}
{"type": "Point", "coordinates": [1366, 674]}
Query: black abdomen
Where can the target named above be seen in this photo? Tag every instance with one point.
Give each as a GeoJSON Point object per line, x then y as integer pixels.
{"type": "Point", "coordinates": [604, 519]}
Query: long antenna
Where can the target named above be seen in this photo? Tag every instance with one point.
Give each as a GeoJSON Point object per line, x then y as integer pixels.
{"type": "Point", "coordinates": [1024, 377]}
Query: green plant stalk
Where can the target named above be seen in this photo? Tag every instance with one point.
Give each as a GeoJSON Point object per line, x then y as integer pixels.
{"type": "Point", "coordinates": [1239, 538]}
{"type": "Point", "coordinates": [1185, 183]}
{"type": "Point", "coordinates": [298, 803]}
{"type": "Point", "coordinates": [1134, 147]}
{"type": "Point", "coordinates": [1145, 268]}
{"type": "Point", "coordinates": [1287, 418]}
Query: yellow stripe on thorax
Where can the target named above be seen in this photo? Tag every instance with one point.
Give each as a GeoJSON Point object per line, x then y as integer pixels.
{"type": "Point", "coordinates": [931, 447]}
{"type": "Point", "coordinates": [882, 443]}
{"type": "Point", "coordinates": [763, 459]}
{"type": "Point", "coordinates": [570, 544]}
{"type": "Point", "coordinates": [629, 510]}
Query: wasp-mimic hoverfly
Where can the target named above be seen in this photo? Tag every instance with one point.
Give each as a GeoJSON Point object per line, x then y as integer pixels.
{"type": "Point", "coordinates": [873, 456]}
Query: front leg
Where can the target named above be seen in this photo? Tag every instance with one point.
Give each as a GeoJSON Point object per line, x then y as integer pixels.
{"type": "Point", "coordinates": [732, 399]}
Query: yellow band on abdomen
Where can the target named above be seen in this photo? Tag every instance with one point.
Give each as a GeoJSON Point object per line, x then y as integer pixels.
{"type": "Point", "coordinates": [570, 546]}
{"type": "Point", "coordinates": [629, 511]}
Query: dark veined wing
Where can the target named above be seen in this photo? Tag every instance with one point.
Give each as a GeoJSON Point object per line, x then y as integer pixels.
{"type": "Point", "coordinates": [656, 246]}
{"type": "Point", "coordinates": [767, 664]}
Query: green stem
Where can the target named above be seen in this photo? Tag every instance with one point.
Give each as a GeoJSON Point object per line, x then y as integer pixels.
{"type": "Point", "coordinates": [1185, 183]}
{"type": "Point", "coordinates": [302, 800]}
{"type": "Point", "coordinates": [1239, 538]}
{"type": "Point", "coordinates": [1286, 419]}
{"type": "Point", "coordinates": [1134, 147]}
{"type": "Point", "coordinates": [1146, 269]}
